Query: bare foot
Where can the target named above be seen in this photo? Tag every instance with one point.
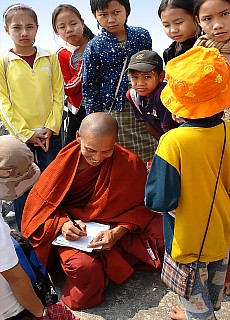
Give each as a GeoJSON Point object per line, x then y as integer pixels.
{"type": "Point", "coordinates": [178, 313]}
{"type": "Point", "coordinates": [227, 289]}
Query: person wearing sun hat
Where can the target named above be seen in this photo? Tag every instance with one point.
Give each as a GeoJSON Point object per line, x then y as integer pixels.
{"type": "Point", "coordinates": [18, 300]}
{"type": "Point", "coordinates": [18, 171]}
{"type": "Point", "coordinates": [17, 174]}
{"type": "Point", "coordinates": [184, 172]}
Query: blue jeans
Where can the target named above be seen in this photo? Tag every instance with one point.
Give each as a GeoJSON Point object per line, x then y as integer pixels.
{"type": "Point", "coordinates": [42, 159]}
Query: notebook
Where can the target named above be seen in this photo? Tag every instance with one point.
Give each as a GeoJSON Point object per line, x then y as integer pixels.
{"type": "Point", "coordinates": [92, 229]}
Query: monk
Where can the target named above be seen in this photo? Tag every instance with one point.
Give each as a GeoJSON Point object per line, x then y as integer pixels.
{"type": "Point", "coordinates": [94, 179]}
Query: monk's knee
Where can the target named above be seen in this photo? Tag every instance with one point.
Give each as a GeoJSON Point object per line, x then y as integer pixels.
{"type": "Point", "coordinates": [85, 282]}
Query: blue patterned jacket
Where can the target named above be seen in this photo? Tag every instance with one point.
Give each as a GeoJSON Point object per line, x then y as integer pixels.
{"type": "Point", "coordinates": [102, 64]}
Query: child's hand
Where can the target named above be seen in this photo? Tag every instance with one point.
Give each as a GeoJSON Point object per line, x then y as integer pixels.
{"type": "Point", "coordinates": [37, 139]}
{"type": "Point", "coordinates": [48, 134]}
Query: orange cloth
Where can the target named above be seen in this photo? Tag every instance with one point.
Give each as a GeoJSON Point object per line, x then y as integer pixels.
{"type": "Point", "coordinates": [87, 273]}
{"type": "Point", "coordinates": [118, 198]}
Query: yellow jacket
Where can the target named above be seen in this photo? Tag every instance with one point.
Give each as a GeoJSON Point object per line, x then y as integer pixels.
{"type": "Point", "coordinates": [31, 98]}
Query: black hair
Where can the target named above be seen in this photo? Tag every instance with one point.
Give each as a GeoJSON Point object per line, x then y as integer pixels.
{"type": "Point", "coordinates": [210, 120]}
{"type": "Point", "coordinates": [19, 7]}
{"type": "Point", "coordinates": [157, 69]}
{"type": "Point", "coordinates": [64, 7]}
{"type": "Point", "coordinates": [102, 4]}
{"type": "Point", "coordinates": [198, 4]}
{"type": "Point", "coordinates": [186, 5]}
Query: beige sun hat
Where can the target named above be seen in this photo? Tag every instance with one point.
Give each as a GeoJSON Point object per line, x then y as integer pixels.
{"type": "Point", "coordinates": [18, 172]}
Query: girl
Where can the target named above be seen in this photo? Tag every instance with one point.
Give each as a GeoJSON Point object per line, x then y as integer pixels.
{"type": "Point", "coordinates": [104, 81]}
{"type": "Point", "coordinates": [214, 19]}
{"type": "Point", "coordinates": [31, 90]}
{"type": "Point", "coordinates": [179, 25]}
{"type": "Point", "coordinates": [69, 26]}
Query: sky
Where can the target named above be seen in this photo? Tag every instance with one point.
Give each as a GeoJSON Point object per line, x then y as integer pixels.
{"type": "Point", "coordinates": [143, 14]}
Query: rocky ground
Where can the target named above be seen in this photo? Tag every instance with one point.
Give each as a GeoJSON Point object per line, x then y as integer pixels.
{"type": "Point", "coordinates": [141, 297]}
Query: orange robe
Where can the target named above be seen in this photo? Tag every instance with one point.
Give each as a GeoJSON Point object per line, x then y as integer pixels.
{"type": "Point", "coordinates": [113, 195]}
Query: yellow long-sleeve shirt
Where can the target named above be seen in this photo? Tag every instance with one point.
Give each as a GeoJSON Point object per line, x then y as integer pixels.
{"type": "Point", "coordinates": [182, 178]}
{"type": "Point", "coordinates": [31, 98]}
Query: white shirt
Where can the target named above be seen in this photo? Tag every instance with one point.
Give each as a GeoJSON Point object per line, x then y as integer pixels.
{"type": "Point", "coordinates": [9, 306]}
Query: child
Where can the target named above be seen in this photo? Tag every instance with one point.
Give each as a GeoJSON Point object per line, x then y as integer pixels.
{"type": "Point", "coordinates": [214, 19]}
{"type": "Point", "coordinates": [18, 300]}
{"type": "Point", "coordinates": [104, 81]}
{"type": "Point", "coordinates": [147, 75]}
{"type": "Point", "coordinates": [69, 26]}
{"type": "Point", "coordinates": [179, 25]}
{"type": "Point", "coordinates": [183, 175]}
{"type": "Point", "coordinates": [18, 173]}
{"type": "Point", "coordinates": [31, 90]}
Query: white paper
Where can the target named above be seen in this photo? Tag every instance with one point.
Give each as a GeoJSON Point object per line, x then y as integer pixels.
{"type": "Point", "coordinates": [92, 229]}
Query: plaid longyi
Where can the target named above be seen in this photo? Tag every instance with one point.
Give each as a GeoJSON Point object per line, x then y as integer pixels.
{"type": "Point", "coordinates": [133, 135]}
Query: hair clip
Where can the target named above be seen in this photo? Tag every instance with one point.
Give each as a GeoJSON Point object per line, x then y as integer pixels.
{"type": "Point", "coordinates": [15, 6]}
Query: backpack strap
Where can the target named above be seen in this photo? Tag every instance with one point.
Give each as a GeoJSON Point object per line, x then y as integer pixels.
{"type": "Point", "coordinates": [133, 96]}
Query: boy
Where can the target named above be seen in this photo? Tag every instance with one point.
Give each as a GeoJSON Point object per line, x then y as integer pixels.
{"type": "Point", "coordinates": [184, 175]}
{"type": "Point", "coordinates": [105, 84]}
{"type": "Point", "coordinates": [147, 75]}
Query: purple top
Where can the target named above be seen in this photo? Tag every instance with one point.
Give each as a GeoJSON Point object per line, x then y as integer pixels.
{"type": "Point", "coordinates": [152, 111]}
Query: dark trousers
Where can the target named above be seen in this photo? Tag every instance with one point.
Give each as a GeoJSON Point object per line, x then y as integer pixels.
{"type": "Point", "coordinates": [74, 122]}
{"type": "Point", "coordinates": [42, 159]}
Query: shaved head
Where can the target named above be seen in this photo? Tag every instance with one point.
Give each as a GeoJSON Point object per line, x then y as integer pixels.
{"type": "Point", "coordinates": [97, 136]}
{"type": "Point", "coordinates": [99, 124]}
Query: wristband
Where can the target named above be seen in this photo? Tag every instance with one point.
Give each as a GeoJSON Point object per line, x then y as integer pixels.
{"type": "Point", "coordinates": [44, 314]}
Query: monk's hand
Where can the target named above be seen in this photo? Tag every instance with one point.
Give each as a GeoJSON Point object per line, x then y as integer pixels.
{"type": "Point", "coordinates": [71, 232]}
{"type": "Point", "coordinates": [105, 240]}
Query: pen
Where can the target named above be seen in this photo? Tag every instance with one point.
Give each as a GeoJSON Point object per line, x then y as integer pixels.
{"type": "Point", "coordinates": [74, 223]}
